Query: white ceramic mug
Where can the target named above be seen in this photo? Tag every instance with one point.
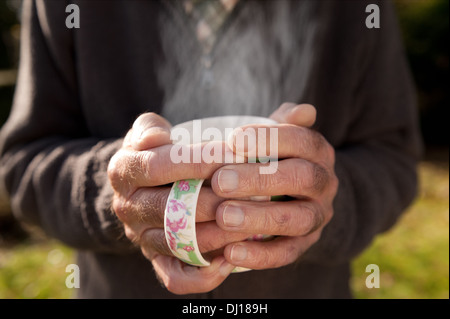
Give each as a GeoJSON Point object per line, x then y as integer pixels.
{"type": "Point", "coordinates": [180, 211]}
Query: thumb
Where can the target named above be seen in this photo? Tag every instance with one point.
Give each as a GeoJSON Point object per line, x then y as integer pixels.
{"type": "Point", "coordinates": [180, 278]}
{"type": "Point", "coordinates": [148, 131]}
{"type": "Point", "coordinates": [296, 114]}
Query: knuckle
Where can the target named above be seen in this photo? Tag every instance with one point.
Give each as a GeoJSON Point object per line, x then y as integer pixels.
{"type": "Point", "coordinates": [317, 141]}
{"type": "Point", "coordinates": [115, 169]}
{"type": "Point", "coordinates": [320, 178]}
{"type": "Point", "coordinates": [126, 166]}
{"type": "Point", "coordinates": [330, 213]}
{"type": "Point", "coordinates": [130, 234]}
{"type": "Point", "coordinates": [303, 221]}
{"type": "Point", "coordinates": [311, 177]}
{"type": "Point", "coordinates": [330, 153]}
{"type": "Point", "coordinates": [279, 220]}
{"type": "Point", "coordinates": [312, 220]}
{"type": "Point", "coordinates": [334, 182]}
{"type": "Point", "coordinates": [315, 178]}
{"type": "Point", "coordinates": [120, 208]}
{"type": "Point", "coordinates": [310, 140]}
{"type": "Point", "coordinates": [140, 164]}
{"type": "Point", "coordinates": [112, 166]}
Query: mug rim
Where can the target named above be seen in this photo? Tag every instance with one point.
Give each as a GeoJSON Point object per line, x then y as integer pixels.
{"type": "Point", "coordinates": [248, 119]}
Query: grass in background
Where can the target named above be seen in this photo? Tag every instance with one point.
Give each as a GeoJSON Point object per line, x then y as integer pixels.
{"type": "Point", "coordinates": [413, 257]}
{"type": "Point", "coordinates": [35, 270]}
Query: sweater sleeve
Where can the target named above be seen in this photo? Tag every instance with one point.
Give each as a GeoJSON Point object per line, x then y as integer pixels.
{"type": "Point", "coordinates": [53, 170]}
{"type": "Point", "coordinates": [376, 162]}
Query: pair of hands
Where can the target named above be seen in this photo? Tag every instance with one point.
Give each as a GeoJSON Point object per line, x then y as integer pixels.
{"type": "Point", "coordinates": [141, 171]}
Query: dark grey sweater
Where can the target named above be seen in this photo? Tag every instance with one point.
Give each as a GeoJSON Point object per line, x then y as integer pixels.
{"type": "Point", "coordinates": [79, 91]}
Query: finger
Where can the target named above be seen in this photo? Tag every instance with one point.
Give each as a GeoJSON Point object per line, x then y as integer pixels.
{"type": "Point", "coordinates": [292, 218]}
{"type": "Point", "coordinates": [180, 278]}
{"type": "Point", "coordinates": [165, 164]}
{"type": "Point", "coordinates": [294, 177]}
{"type": "Point", "coordinates": [148, 131]}
{"type": "Point", "coordinates": [153, 241]}
{"type": "Point", "coordinates": [270, 254]}
{"type": "Point", "coordinates": [211, 238]}
{"type": "Point", "coordinates": [280, 141]}
{"type": "Point", "coordinates": [146, 206]}
{"type": "Point", "coordinates": [296, 114]}
{"type": "Point", "coordinates": [150, 235]}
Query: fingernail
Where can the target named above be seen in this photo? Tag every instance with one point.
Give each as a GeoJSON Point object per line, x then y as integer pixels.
{"type": "Point", "coordinates": [238, 253]}
{"type": "Point", "coordinates": [153, 131]}
{"type": "Point", "coordinates": [232, 216]}
{"type": "Point", "coordinates": [294, 109]}
{"type": "Point", "coordinates": [140, 136]}
{"type": "Point", "coordinates": [228, 180]}
{"type": "Point", "coordinates": [226, 268]}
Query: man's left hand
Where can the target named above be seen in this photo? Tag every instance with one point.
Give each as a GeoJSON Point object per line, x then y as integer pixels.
{"type": "Point", "coordinates": [305, 173]}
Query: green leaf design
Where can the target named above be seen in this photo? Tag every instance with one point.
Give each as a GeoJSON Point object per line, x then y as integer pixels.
{"type": "Point", "coordinates": [193, 260]}
{"type": "Point", "coordinates": [180, 185]}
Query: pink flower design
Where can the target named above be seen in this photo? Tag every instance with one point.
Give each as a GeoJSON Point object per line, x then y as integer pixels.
{"type": "Point", "coordinates": [175, 206]}
{"type": "Point", "coordinates": [176, 215]}
{"type": "Point", "coordinates": [172, 242]}
{"type": "Point", "coordinates": [177, 224]}
{"type": "Point", "coordinates": [188, 248]}
{"type": "Point", "coordinates": [183, 186]}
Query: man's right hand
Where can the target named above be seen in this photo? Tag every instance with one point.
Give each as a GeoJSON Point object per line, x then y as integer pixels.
{"type": "Point", "coordinates": [139, 174]}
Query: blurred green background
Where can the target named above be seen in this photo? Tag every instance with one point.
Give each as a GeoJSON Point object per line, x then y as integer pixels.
{"type": "Point", "coordinates": [413, 257]}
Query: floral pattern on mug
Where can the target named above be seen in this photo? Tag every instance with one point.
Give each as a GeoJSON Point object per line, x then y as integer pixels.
{"type": "Point", "coordinates": [172, 241]}
{"type": "Point", "coordinates": [176, 215]}
{"type": "Point", "coordinates": [183, 187]}
{"type": "Point", "coordinates": [179, 221]}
